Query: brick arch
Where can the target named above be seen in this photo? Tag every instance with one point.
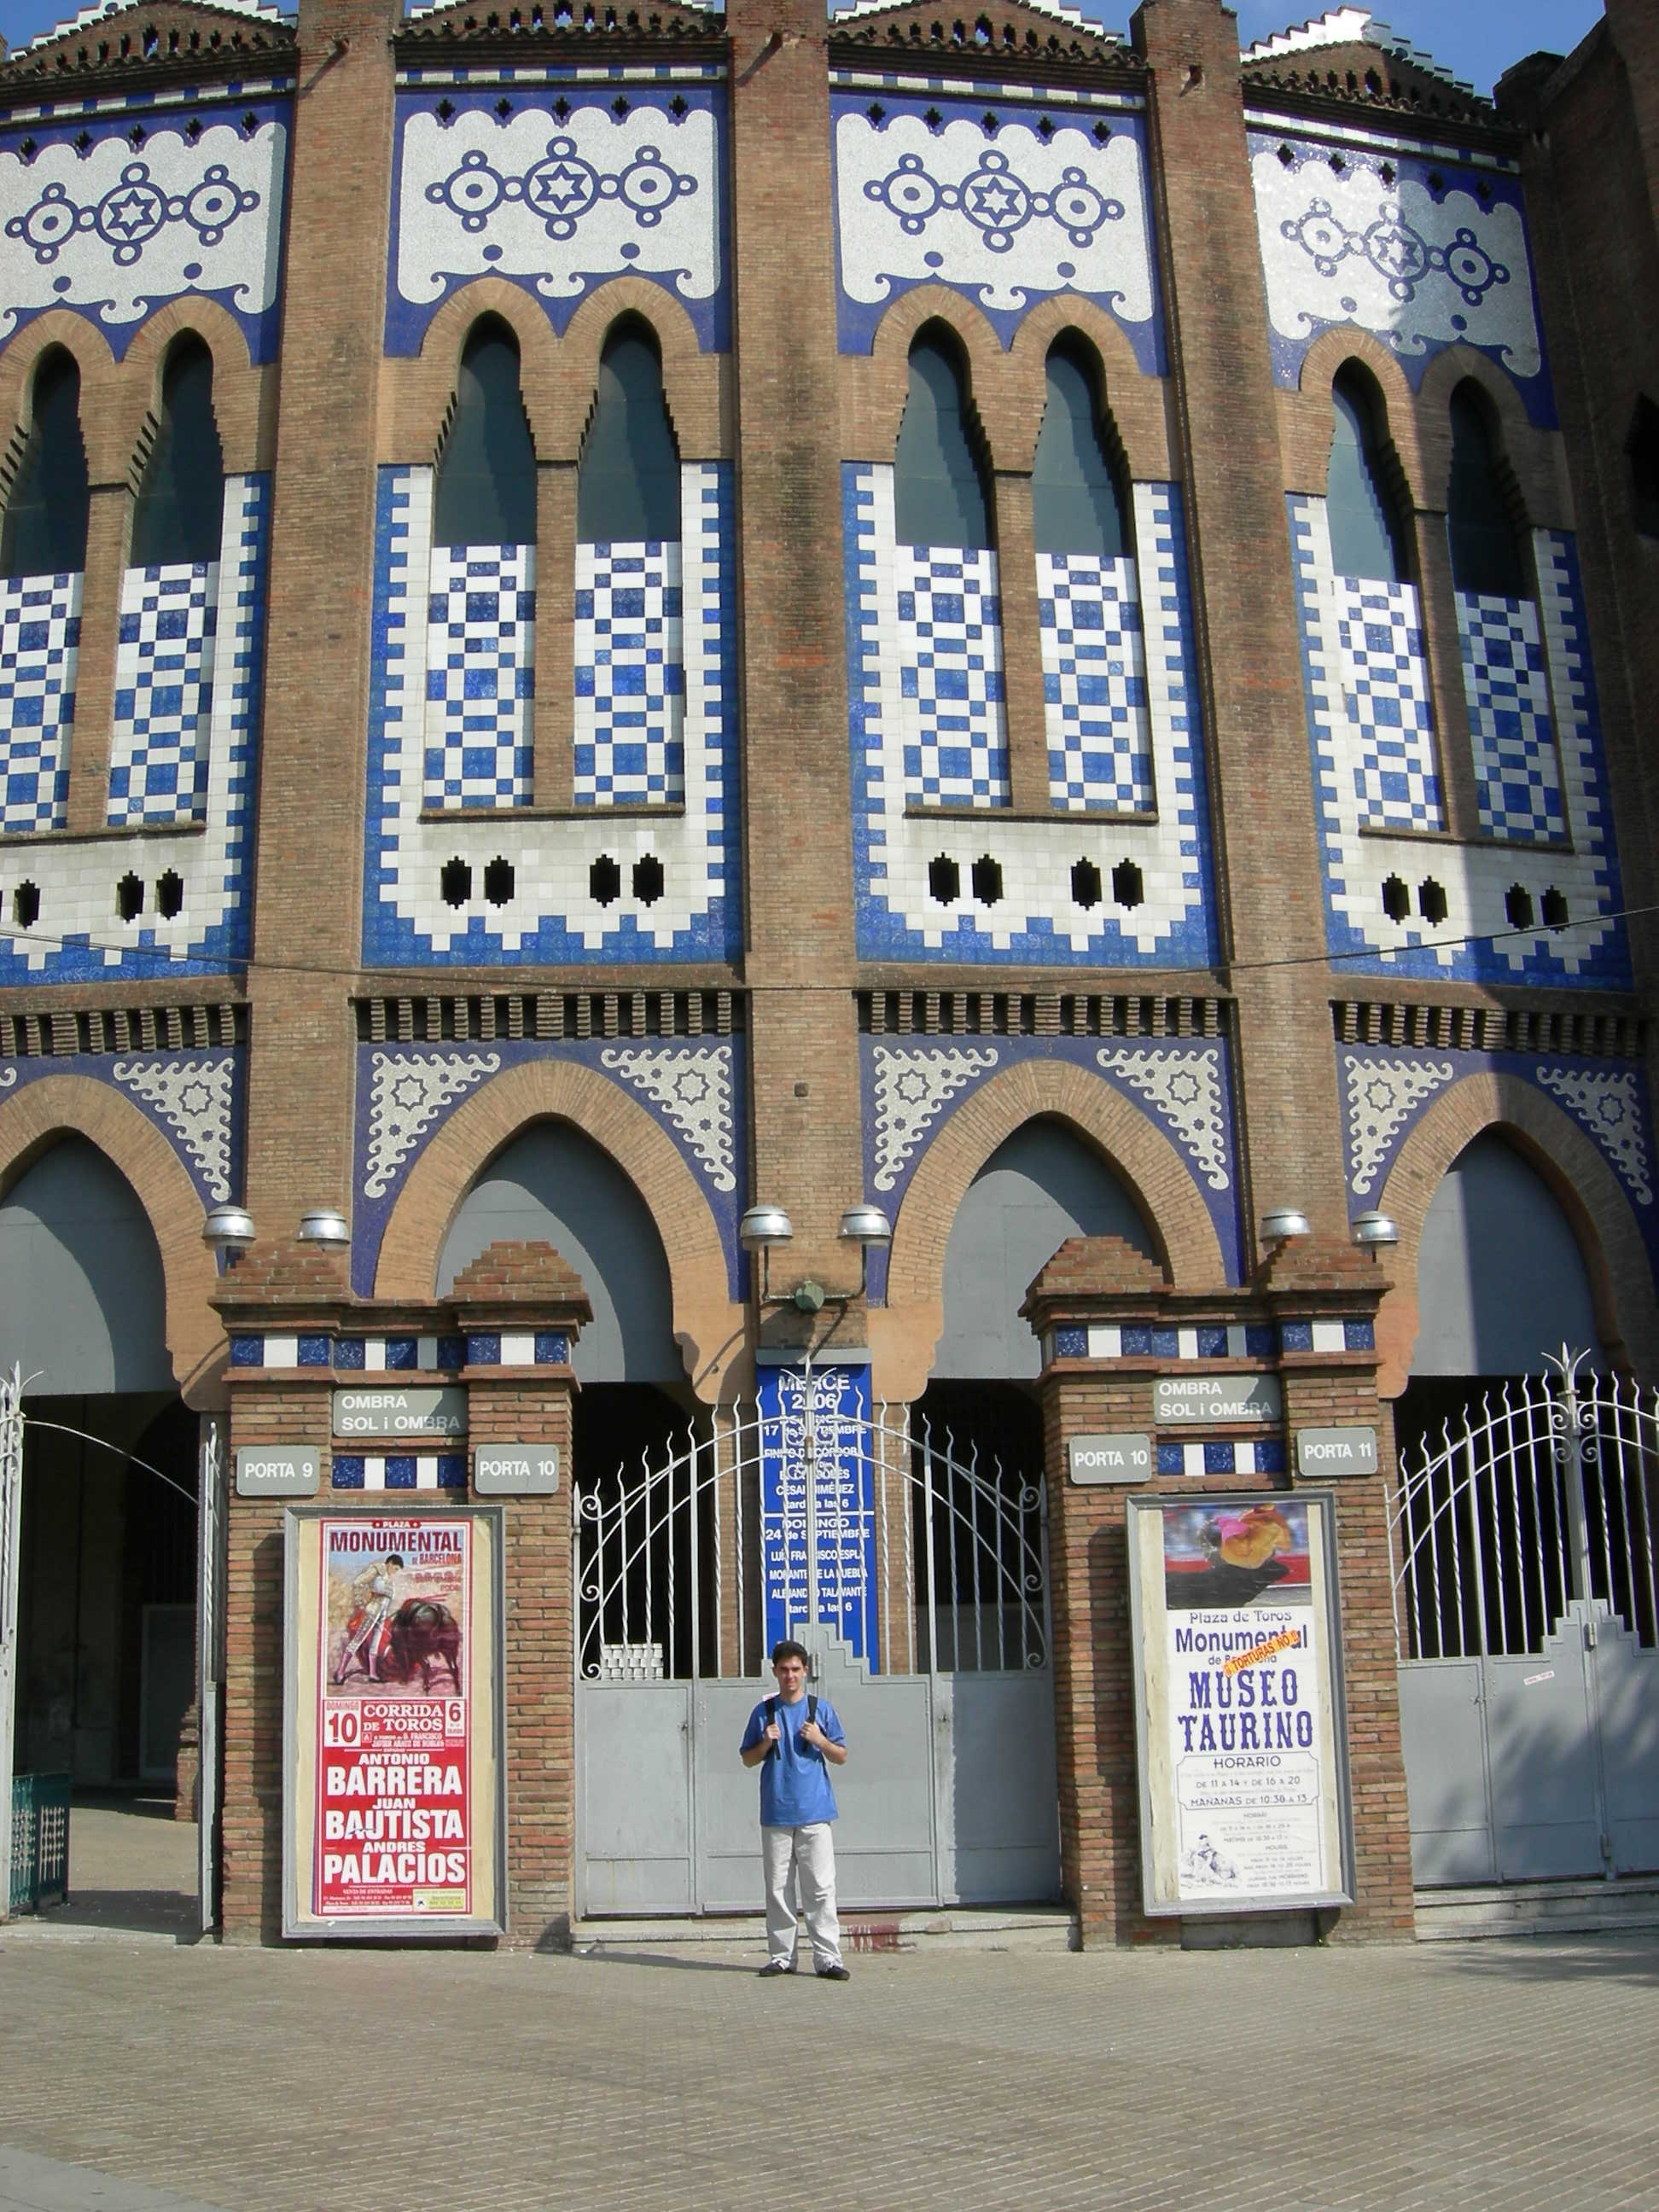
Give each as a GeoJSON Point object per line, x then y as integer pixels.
{"type": "Point", "coordinates": [35, 1119]}
{"type": "Point", "coordinates": [90, 349]}
{"type": "Point", "coordinates": [1311, 425]}
{"type": "Point", "coordinates": [707, 1327]}
{"type": "Point", "coordinates": [1530, 452]}
{"type": "Point", "coordinates": [1578, 1177]}
{"type": "Point", "coordinates": [426, 388]}
{"type": "Point", "coordinates": [1137, 403]}
{"type": "Point", "coordinates": [244, 396]}
{"type": "Point", "coordinates": [904, 1339]}
{"type": "Point", "coordinates": [889, 355]}
{"type": "Point", "coordinates": [692, 379]}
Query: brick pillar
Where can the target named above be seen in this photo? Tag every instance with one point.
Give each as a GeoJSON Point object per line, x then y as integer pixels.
{"type": "Point", "coordinates": [1109, 1328]}
{"type": "Point", "coordinates": [514, 1297]}
{"type": "Point", "coordinates": [1245, 604]}
{"type": "Point", "coordinates": [1021, 648]}
{"type": "Point", "coordinates": [1444, 650]}
{"type": "Point", "coordinates": [797, 799]}
{"type": "Point", "coordinates": [313, 757]}
{"type": "Point", "coordinates": [109, 532]}
{"type": "Point", "coordinates": [554, 762]}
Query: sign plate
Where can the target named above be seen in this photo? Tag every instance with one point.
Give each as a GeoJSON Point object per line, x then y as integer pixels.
{"type": "Point", "coordinates": [276, 1471]}
{"type": "Point", "coordinates": [1121, 1458]}
{"type": "Point", "coordinates": [515, 1470]}
{"type": "Point", "coordinates": [1336, 1451]}
{"type": "Point", "coordinates": [413, 1410]}
{"type": "Point", "coordinates": [1200, 1401]}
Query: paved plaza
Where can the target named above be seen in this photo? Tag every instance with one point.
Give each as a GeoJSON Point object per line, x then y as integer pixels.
{"type": "Point", "coordinates": [139, 2072]}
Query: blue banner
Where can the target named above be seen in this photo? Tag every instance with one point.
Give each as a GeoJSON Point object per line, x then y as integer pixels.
{"type": "Point", "coordinates": [821, 1441]}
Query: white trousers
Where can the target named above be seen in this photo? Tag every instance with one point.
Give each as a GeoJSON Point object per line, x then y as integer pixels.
{"type": "Point", "coordinates": [801, 1861]}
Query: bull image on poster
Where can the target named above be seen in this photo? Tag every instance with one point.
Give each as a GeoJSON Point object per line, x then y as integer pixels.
{"type": "Point", "coordinates": [393, 1722]}
{"type": "Point", "coordinates": [1239, 1703]}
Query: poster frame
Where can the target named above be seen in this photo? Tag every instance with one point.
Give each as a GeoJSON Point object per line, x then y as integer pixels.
{"type": "Point", "coordinates": [489, 1524]}
{"type": "Point", "coordinates": [1331, 1651]}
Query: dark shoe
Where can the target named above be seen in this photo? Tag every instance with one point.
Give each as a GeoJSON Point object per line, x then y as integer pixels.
{"type": "Point", "coordinates": [773, 1967]}
{"type": "Point", "coordinates": [835, 1973]}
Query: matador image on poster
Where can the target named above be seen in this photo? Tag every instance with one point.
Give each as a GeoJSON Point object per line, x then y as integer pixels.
{"type": "Point", "coordinates": [393, 1824]}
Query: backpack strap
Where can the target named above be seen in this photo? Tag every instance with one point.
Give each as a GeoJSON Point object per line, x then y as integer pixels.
{"type": "Point", "coordinates": [812, 1708]}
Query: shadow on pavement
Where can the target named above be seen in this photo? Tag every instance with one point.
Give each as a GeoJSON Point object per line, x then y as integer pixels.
{"type": "Point", "coordinates": [1633, 1959]}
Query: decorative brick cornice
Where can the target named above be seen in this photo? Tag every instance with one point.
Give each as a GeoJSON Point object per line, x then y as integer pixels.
{"type": "Point", "coordinates": [1017, 39]}
{"type": "Point", "coordinates": [513, 1279]}
{"type": "Point", "coordinates": [1103, 1281]}
{"type": "Point", "coordinates": [296, 1281]}
{"type": "Point", "coordinates": [141, 50]}
{"type": "Point", "coordinates": [542, 31]}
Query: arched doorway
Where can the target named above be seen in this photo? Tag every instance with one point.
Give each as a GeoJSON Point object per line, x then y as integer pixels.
{"type": "Point", "coordinates": [107, 1537]}
{"type": "Point", "coordinates": [1527, 1604]}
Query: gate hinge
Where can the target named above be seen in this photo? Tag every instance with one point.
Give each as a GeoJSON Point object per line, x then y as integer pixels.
{"type": "Point", "coordinates": [1606, 1844]}
{"type": "Point", "coordinates": [1589, 1635]}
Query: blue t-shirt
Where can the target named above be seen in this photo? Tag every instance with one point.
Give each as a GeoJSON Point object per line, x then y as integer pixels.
{"type": "Point", "coordinates": [795, 1789]}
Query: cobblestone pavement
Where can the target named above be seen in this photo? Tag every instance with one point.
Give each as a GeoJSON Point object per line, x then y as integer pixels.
{"type": "Point", "coordinates": [1521, 2075]}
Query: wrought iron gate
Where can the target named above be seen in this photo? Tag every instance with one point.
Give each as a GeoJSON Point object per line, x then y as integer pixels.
{"type": "Point", "coordinates": [925, 1608]}
{"type": "Point", "coordinates": [1527, 1625]}
{"type": "Point", "coordinates": [11, 1504]}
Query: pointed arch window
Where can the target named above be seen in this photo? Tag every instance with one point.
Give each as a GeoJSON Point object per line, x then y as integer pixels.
{"type": "Point", "coordinates": [1094, 667]}
{"type": "Point", "coordinates": [1385, 698]}
{"type": "Point", "coordinates": [45, 521]}
{"type": "Point", "coordinates": [181, 500]}
{"type": "Point", "coordinates": [169, 622]}
{"type": "Point", "coordinates": [948, 615]}
{"type": "Point", "coordinates": [43, 554]}
{"type": "Point", "coordinates": [1367, 538]}
{"type": "Point", "coordinates": [481, 621]}
{"type": "Point", "coordinates": [629, 647]}
{"type": "Point", "coordinates": [1506, 679]}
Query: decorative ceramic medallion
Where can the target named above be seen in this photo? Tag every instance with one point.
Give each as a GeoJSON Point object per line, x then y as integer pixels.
{"type": "Point", "coordinates": [1382, 1096]}
{"type": "Point", "coordinates": [693, 1090]}
{"type": "Point", "coordinates": [911, 1090]}
{"type": "Point", "coordinates": [409, 1091]}
{"type": "Point", "coordinates": [192, 1097]}
{"type": "Point", "coordinates": [1185, 1088]}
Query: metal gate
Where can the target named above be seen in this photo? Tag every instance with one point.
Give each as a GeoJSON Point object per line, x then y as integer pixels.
{"type": "Point", "coordinates": [950, 1794]}
{"type": "Point", "coordinates": [1527, 1626]}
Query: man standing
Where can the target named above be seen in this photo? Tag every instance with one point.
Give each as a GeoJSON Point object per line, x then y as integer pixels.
{"type": "Point", "coordinates": [794, 1740]}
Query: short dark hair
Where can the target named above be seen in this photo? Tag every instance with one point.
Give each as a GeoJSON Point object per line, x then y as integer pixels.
{"type": "Point", "coordinates": [790, 1649]}
{"type": "Point", "coordinates": [394, 1558]}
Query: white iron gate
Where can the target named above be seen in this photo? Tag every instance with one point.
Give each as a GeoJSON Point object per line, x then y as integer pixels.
{"type": "Point", "coordinates": [923, 1597]}
{"type": "Point", "coordinates": [1527, 1623]}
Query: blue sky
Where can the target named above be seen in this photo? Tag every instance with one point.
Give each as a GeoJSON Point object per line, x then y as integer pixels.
{"type": "Point", "coordinates": [1476, 39]}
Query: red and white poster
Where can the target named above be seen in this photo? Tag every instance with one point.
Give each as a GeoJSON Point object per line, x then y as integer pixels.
{"type": "Point", "coordinates": [395, 1828]}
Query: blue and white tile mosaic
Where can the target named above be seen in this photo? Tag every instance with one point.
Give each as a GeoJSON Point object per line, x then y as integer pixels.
{"type": "Point", "coordinates": [1094, 684]}
{"type": "Point", "coordinates": [158, 756]}
{"type": "Point", "coordinates": [911, 1087]}
{"type": "Point", "coordinates": [1386, 1091]}
{"type": "Point", "coordinates": [148, 211]}
{"type": "Point", "coordinates": [480, 675]}
{"type": "Point", "coordinates": [555, 912]}
{"type": "Point", "coordinates": [983, 200]}
{"type": "Point", "coordinates": [198, 1100]}
{"type": "Point", "coordinates": [1477, 940]}
{"type": "Point", "coordinates": [1384, 694]}
{"type": "Point", "coordinates": [948, 619]}
{"type": "Point", "coordinates": [1207, 1339]}
{"type": "Point", "coordinates": [82, 935]}
{"type": "Point", "coordinates": [1433, 253]}
{"type": "Point", "coordinates": [630, 674]}
{"type": "Point", "coordinates": [40, 652]}
{"type": "Point", "coordinates": [398, 1471]}
{"type": "Point", "coordinates": [695, 1088]}
{"type": "Point", "coordinates": [622, 179]}
{"type": "Point", "coordinates": [1515, 772]}
{"type": "Point", "coordinates": [1221, 1455]}
{"type": "Point", "coordinates": [1054, 902]}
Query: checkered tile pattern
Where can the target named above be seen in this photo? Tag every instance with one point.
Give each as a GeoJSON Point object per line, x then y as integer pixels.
{"type": "Point", "coordinates": [1515, 770]}
{"type": "Point", "coordinates": [39, 641]}
{"type": "Point", "coordinates": [630, 674]}
{"type": "Point", "coordinates": [480, 675]}
{"type": "Point", "coordinates": [950, 656]}
{"type": "Point", "coordinates": [1385, 689]}
{"type": "Point", "coordinates": [164, 659]}
{"type": "Point", "coordinates": [398, 1471]}
{"type": "Point", "coordinates": [1094, 684]}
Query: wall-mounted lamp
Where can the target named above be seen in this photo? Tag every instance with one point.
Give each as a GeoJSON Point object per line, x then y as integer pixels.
{"type": "Point", "coordinates": [760, 1228]}
{"type": "Point", "coordinates": [865, 1224]}
{"type": "Point", "coordinates": [1283, 1222]}
{"type": "Point", "coordinates": [229, 1231]}
{"type": "Point", "coordinates": [1371, 1232]}
{"type": "Point", "coordinates": [323, 1225]}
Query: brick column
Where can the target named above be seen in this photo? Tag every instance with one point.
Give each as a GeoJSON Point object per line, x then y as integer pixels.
{"type": "Point", "coordinates": [515, 1298]}
{"type": "Point", "coordinates": [109, 533]}
{"type": "Point", "coordinates": [1443, 649]}
{"type": "Point", "coordinates": [1021, 648]}
{"type": "Point", "coordinates": [1109, 1328]}
{"type": "Point", "coordinates": [554, 762]}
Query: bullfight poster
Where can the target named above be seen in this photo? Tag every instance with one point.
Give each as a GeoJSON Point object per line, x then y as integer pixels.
{"type": "Point", "coordinates": [1239, 1717]}
{"type": "Point", "coordinates": [393, 1821]}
